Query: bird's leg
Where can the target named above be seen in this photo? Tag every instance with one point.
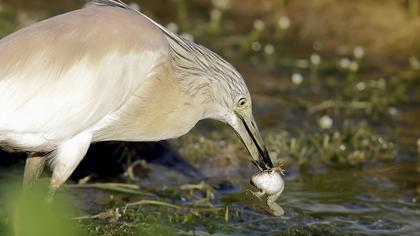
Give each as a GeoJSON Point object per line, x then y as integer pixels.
{"type": "Point", "coordinates": [33, 169]}
{"type": "Point", "coordinates": [68, 156]}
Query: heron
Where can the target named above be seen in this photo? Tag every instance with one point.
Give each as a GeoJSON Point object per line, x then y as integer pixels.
{"type": "Point", "coordinates": [107, 72]}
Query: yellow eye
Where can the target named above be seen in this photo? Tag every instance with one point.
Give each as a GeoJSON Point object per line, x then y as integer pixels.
{"type": "Point", "coordinates": [242, 102]}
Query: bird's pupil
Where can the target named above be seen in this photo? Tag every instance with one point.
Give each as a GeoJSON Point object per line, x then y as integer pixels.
{"type": "Point", "coordinates": [242, 102]}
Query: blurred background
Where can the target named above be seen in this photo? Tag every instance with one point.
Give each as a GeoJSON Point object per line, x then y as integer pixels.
{"type": "Point", "coordinates": [336, 93]}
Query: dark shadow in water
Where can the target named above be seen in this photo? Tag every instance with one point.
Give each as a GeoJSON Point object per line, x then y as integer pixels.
{"type": "Point", "coordinates": [110, 159]}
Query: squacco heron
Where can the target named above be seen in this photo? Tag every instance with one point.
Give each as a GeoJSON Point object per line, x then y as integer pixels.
{"type": "Point", "coordinates": [108, 72]}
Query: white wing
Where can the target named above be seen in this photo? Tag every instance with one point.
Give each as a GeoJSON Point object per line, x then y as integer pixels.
{"type": "Point", "coordinates": [61, 76]}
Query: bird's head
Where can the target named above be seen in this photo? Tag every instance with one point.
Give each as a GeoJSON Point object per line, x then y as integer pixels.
{"type": "Point", "coordinates": [220, 91]}
{"type": "Point", "coordinates": [233, 106]}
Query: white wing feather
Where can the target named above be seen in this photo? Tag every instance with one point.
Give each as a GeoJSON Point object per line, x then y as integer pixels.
{"type": "Point", "coordinates": [110, 51]}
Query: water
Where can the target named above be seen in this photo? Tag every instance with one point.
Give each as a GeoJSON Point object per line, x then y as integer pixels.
{"type": "Point", "coordinates": [357, 202]}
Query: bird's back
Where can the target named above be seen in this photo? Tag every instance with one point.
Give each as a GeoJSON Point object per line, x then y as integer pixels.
{"type": "Point", "coordinates": [63, 75]}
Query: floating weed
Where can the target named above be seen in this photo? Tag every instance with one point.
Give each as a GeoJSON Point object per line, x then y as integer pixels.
{"type": "Point", "coordinates": [155, 229]}
{"type": "Point", "coordinates": [187, 212]}
{"type": "Point", "coordinates": [372, 97]}
{"type": "Point", "coordinates": [353, 146]}
{"type": "Point", "coordinates": [115, 187]}
{"type": "Point", "coordinates": [348, 146]}
{"type": "Point", "coordinates": [222, 146]}
{"type": "Point", "coordinates": [130, 169]}
{"type": "Point", "coordinates": [202, 186]}
{"type": "Point", "coordinates": [148, 217]}
{"type": "Point", "coordinates": [299, 150]}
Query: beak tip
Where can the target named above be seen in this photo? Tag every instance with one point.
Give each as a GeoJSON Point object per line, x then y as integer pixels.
{"type": "Point", "coordinates": [264, 162]}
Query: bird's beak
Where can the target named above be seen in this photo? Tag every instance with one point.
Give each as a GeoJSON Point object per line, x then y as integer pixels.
{"type": "Point", "coordinates": [246, 128]}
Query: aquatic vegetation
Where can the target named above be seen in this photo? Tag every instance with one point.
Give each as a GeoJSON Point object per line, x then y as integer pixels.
{"type": "Point", "coordinates": [188, 211]}
{"type": "Point", "coordinates": [348, 146]}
